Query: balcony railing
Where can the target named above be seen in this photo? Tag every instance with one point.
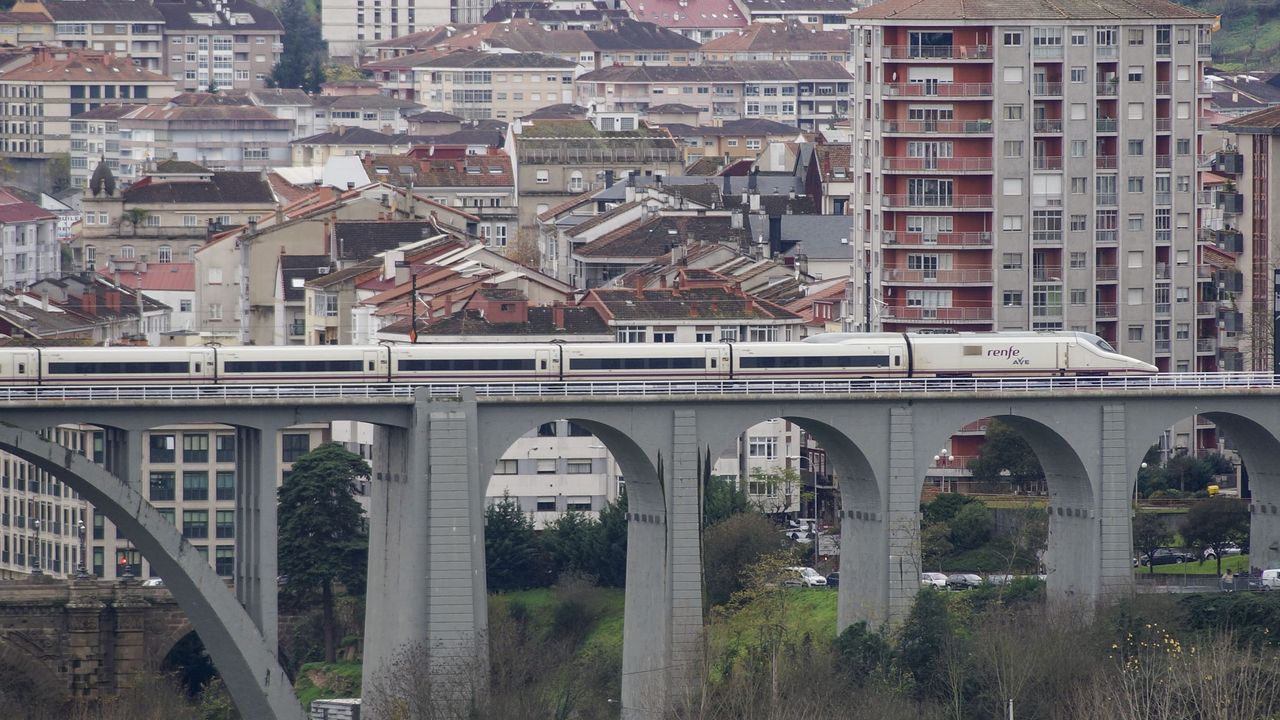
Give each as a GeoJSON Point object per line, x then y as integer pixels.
{"type": "Point", "coordinates": [1046, 237]}
{"type": "Point", "coordinates": [962, 239]}
{"type": "Point", "coordinates": [937, 89]}
{"type": "Point", "coordinates": [942, 127]}
{"type": "Point", "coordinates": [1106, 125]}
{"type": "Point", "coordinates": [1106, 273]}
{"type": "Point", "coordinates": [940, 201]}
{"type": "Point", "coordinates": [1204, 51]}
{"type": "Point", "coordinates": [1107, 89]}
{"type": "Point", "coordinates": [1105, 237]}
{"type": "Point", "coordinates": [1106, 311]}
{"type": "Point", "coordinates": [1164, 237]}
{"type": "Point", "coordinates": [1047, 88]}
{"type": "Point", "coordinates": [944, 164]}
{"type": "Point", "coordinates": [1046, 273]}
{"type": "Point", "coordinates": [1163, 272]}
{"type": "Point", "coordinates": [936, 52]}
{"type": "Point", "coordinates": [1164, 87]}
{"type": "Point", "coordinates": [1105, 162]}
{"type": "Point", "coordinates": [1164, 161]}
{"type": "Point", "coordinates": [1046, 311]}
{"type": "Point", "coordinates": [1164, 50]}
{"type": "Point", "coordinates": [1164, 124]}
{"type": "Point", "coordinates": [942, 314]}
{"type": "Point", "coordinates": [1048, 125]}
{"type": "Point", "coordinates": [1048, 162]}
{"type": "Point", "coordinates": [1107, 52]}
{"type": "Point", "coordinates": [1164, 198]}
{"type": "Point", "coordinates": [1206, 346]}
{"type": "Point", "coordinates": [1163, 346]}
{"type": "Point", "coordinates": [940, 277]}
{"type": "Point", "coordinates": [1163, 309]}
{"type": "Point", "coordinates": [1206, 309]}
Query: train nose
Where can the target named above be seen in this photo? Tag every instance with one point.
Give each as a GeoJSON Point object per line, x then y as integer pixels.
{"type": "Point", "coordinates": [1148, 367]}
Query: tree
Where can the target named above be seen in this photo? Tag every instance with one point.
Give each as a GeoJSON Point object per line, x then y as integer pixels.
{"type": "Point", "coordinates": [923, 640]}
{"type": "Point", "coordinates": [944, 507]}
{"type": "Point", "coordinates": [322, 529]}
{"type": "Point", "coordinates": [303, 49]}
{"type": "Point", "coordinates": [722, 499]}
{"type": "Point", "coordinates": [513, 559]}
{"type": "Point", "coordinates": [1215, 523]}
{"type": "Point", "coordinates": [1150, 533]}
{"type": "Point", "coordinates": [135, 217]}
{"type": "Point", "coordinates": [935, 544]}
{"type": "Point", "coordinates": [971, 527]}
{"type": "Point", "coordinates": [732, 545]}
{"type": "Point", "coordinates": [779, 488]}
{"type": "Point", "coordinates": [1005, 455]}
{"type": "Point", "coordinates": [611, 544]}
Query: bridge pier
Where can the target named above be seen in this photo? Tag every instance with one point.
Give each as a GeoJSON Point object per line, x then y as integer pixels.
{"type": "Point", "coordinates": [426, 585]}
{"type": "Point", "coordinates": [256, 559]}
{"type": "Point", "coordinates": [902, 524]}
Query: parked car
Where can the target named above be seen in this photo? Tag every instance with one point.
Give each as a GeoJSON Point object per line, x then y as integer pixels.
{"type": "Point", "coordinates": [1166, 556]}
{"type": "Point", "coordinates": [833, 580]}
{"type": "Point", "coordinates": [1271, 579]}
{"type": "Point", "coordinates": [933, 579]}
{"type": "Point", "coordinates": [153, 583]}
{"type": "Point", "coordinates": [804, 576]}
{"type": "Point", "coordinates": [1228, 549]}
{"type": "Point", "coordinates": [962, 581]}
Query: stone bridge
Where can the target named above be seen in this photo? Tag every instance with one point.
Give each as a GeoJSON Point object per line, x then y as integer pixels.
{"type": "Point", "coordinates": [83, 638]}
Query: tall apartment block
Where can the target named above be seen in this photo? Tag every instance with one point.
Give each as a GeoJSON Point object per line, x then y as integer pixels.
{"type": "Point", "coordinates": [1035, 166]}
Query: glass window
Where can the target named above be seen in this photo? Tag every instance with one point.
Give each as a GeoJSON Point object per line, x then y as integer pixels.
{"type": "Point", "coordinates": [195, 523]}
{"type": "Point", "coordinates": [294, 446]}
{"type": "Point", "coordinates": [195, 448]}
{"type": "Point", "coordinates": [226, 485]}
{"type": "Point", "coordinates": [226, 524]}
{"type": "Point", "coordinates": [162, 485]}
{"type": "Point", "coordinates": [162, 448]}
{"type": "Point", "coordinates": [226, 448]}
{"type": "Point", "coordinates": [195, 485]}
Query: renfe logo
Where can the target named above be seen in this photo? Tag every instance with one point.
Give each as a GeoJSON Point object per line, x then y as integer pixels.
{"type": "Point", "coordinates": [1010, 353]}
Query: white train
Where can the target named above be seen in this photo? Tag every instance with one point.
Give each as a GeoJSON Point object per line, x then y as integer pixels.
{"type": "Point", "coordinates": [829, 356]}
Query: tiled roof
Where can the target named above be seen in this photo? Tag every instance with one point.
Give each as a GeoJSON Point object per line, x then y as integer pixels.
{"type": "Point", "coordinates": [544, 12]}
{"type": "Point", "coordinates": [270, 97]}
{"type": "Point", "coordinates": [742, 71]}
{"type": "Point", "coordinates": [648, 239]}
{"type": "Point", "coordinates": [106, 112]}
{"type": "Point", "coordinates": [178, 15]}
{"type": "Point", "coordinates": [559, 111]}
{"type": "Point", "coordinates": [752, 126]}
{"type": "Point", "coordinates": [196, 99]}
{"type": "Point", "coordinates": [434, 116]}
{"type": "Point", "coordinates": [1264, 121]}
{"type": "Point", "coordinates": [700, 303]}
{"type": "Point", "coordinates": [688, 14]}
{"type": "Point", "coordinates": [569, 204]}
{"type": "Point", "coordinates": [82, 66]}
{"type": "Point", "coordinates": [773, 36]}
{"type": "Point", "coordinates": [364, 102]}
{"type": "Point", "coordinates": [703, 166]}
{"type": "Point", "coordinates": [423, 38]}
{"type": "Point", "coordinates": [206, 113]}
{"type": "Point", "coordinates": [17, 210]}
{"type": "Point", "coordinates": [362, 136]}
{"type": "Point", "coordinates": [577, 321]}
{"type": "Point", "coordinates": [834, 157]}
{"type": "Point", "coordinates": [1057, 10]}
{"type": "Point", "coordinates": [102, 11]}
{"type": "Point", "coordinates": [157, 277]}
{"type": "Point", "coordinates": [673, 108]}
{"type": "Point", "coordinates": [360, 240]}
{"type": "Point", "coordinates": [830, 7]}
{"type": "Point", "coordinates": [180, 167]}
{"type": "Point", "coordinates": [491, 170]}
{"type": "Point", "coordinates": [223, 188]}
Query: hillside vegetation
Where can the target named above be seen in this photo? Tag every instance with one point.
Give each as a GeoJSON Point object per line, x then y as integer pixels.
{"type": "Point", "coordinates": [1250, 34]}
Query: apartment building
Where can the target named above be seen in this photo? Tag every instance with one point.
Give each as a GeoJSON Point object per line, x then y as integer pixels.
{"type": "Point", "coordinates": [788, 40]}
{"type": "Point", "coordinates": [126, 28]}
{"type": "Point", "coordinates": [829, 15]}
{"type": "Point", "coordinates": [1033, 167]}
{"type": "Point", "coordinates": [500, 86]}
{"type": "Point", "coordinates": [699, 20]}
{"type": "Point", "coordinates": [351, 25]}
{"type": "Point", "coordinates": [224, 44]}
{"type": "Point", "coordinates": [29, 245]}
{"type": "Point", "coordinates": [39, 98]}
{"type": "Point", "coordinates": [190, 478]}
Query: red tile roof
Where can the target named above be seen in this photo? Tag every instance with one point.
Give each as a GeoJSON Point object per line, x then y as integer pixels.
{"type": "Point", "coordinates": [63, 66]}
{"type": "Point", "coordinates": [690, 14]}
{"type": "Point", "coordinates": [16, 210]}
{"type": "Point", "coordinates": [176, 277]}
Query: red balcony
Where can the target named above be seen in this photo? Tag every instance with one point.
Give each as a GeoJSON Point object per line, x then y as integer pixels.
{"type": "Point", "coordinates": [951, 240]}
{"type": "Point", "coordinates": [974, 276]}
{"type": "Point", "coordinates": [933, 315]}
{"type": "Point", "coordinates": [937, 89]}
{"type": "Point", "coordinates": [938, 164]}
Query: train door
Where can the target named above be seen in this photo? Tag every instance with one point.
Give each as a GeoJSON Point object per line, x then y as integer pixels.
{"type": "Point", "coordinates": [715, 363]}
{"type": "Point", "coordinates": [25, 369]}
{"type": "Point", "coordinates": [197, 366]}
{"type": "Point", "coordinates": [544, 364]}
{"type": "Point", "coordinates": [375, 365]}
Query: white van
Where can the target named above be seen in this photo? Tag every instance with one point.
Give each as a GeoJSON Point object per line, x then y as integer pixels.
{"type": "Point", "coordinates": [1271, 579]}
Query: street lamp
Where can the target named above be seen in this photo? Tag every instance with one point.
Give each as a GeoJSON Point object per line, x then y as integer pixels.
{"type": "Point", "coordinates": [817, 532]}
{"type": "Point", "coordinates": [81, 572]}
{"type": "Point", "coordinates": [413, 299]}
{"type": "Point", "coordinates": [942, 460]}
{"type": "Point", "coordinates": [35, 555]}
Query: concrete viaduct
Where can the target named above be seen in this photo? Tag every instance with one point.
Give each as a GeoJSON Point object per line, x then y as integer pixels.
{"type": "Point", "coordinates": [435, 448]}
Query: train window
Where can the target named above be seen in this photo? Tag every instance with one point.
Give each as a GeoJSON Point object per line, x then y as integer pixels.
{"type": "Point", "coordinates": [22, 368]}
{"type": "Point", "coordinates": [897, 361]}
{"type": "Point", "coordinates": [660, 363]}
{"type": "Point", "coordinates": [291, 366]}
{"type": "Point", "coordinates": [197, 367]}
{"type": "Point", "coordinates": [714, 363]}
{"type": "Point", "coordinates": [972, 349]}
{"type": "Point", "coordinates": [542, 364]}
{"type": "Point", "coordinates": [820, 361]}
{"type": "Point", "coordinates": [465, 365]}
{"type": "Point", "coordinates": [117, 368]}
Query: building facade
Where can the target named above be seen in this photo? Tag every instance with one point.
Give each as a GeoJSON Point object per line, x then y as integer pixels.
{"type": "Point", "coordinates": [1033, 169]}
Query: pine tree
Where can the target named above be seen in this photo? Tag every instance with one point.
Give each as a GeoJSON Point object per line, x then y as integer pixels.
{"type": "Point", "coordinates": [303, 48]}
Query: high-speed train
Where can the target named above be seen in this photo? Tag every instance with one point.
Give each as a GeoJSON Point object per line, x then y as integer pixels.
{"type": "Point", "coordinates": [828, 356]}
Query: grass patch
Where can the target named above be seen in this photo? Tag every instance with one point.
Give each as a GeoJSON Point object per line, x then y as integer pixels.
{"type": "Point", "coordinates": [1234, 563]}
{"type": "Point", "coordinates": [321, 680]}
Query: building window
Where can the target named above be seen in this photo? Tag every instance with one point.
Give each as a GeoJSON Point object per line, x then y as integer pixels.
{"type": "Point", "coordinates": [1135, 73]}
{"type": "Point", "coordinates": [1012, 38]}
{"type": "Point", "coordinates": [631, 335]}
{"type": "Point", "coordinates": [224, 559]}
{"type": "Point", "coordinates": [1079, 296]}
{"type": "Point", "coordinates": [162, 448]}
{"type": "Point", "coordinates": [546, 504]}
{"type": "Point", "coordinates": [764, 447]}
{"type": "Point", "coordinates": [195, 523]}
{"type": "Point", "coordinates": [1012, 298]}
{"type": "Point", "coordinates": [664, 334]}
{"type": "Point", "coordinates": [580, 466]}
{"type": "Point", "coordinates": [578, 504]}
{"type": "Point", "coordinates": [225, 525]}
{"type": "Point", "coordinates": [575, 181]}
{"type": "Point", "coordinates": [542, 177]}
{"type": "Point", "coordinates": [195, 485]}
{"type": "Point", "coordinates": [195, 448]}
{"type": "Point", "coordinates": [164, 254]}
{"type": "Point", "coordinates": [226, 485]}
{"type": "Point", "coordinates": [1079, 260]}
{"type": "Point", "coordinates": [1012, 261]}
{"type": "Point", "coordinates": [547, 466]}
{"type": "Point", "coordinates": [505, 467]}
{"type": "Point", "coordinates": [1136, 148]}
{"type": "Point", "coordinates": [1135, 37]}
{"type": "Point", "coordinates": [162, 485]}
{"type": "Point", "coordinates": [1135, 333]}
{"type": "Point", "coordinates": [225, 448]}
{"type": "Point", "coordinates": [1013, 111]}
{"type": "Point", "coordinates": [294, 446]}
